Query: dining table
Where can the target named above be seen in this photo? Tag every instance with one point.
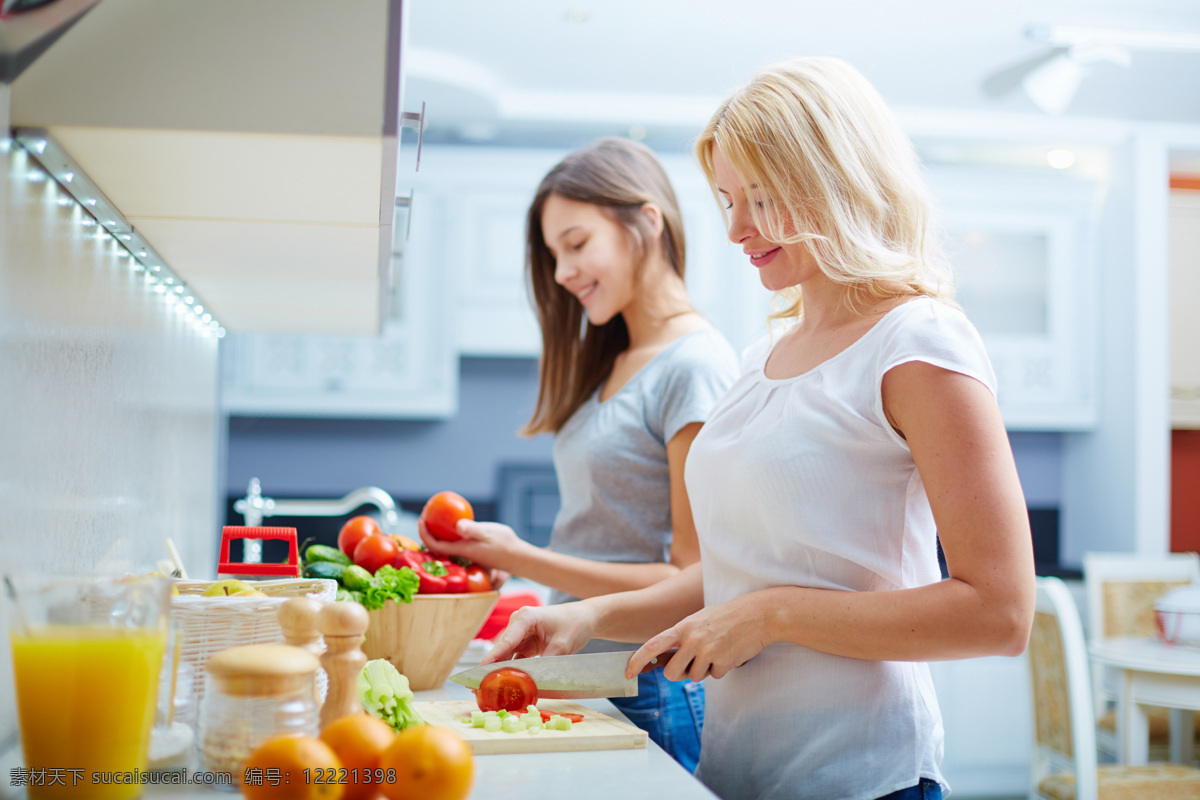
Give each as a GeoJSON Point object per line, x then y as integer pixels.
{"type": "Point", "coordinates": [1151, 672]}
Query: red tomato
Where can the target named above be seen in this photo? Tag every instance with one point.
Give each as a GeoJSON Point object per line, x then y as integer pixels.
{"type": "Point", "coordinates": [354, 531]}
{"type": "Point", "coordinates": [506, 688]}
{"type": "Point", "coordinates": [575, 718]}
{"type": "Point", "coordinates": [442, 513]}
{"type": "Point", "coordinates": [373, 552]}
{"type": "Point", "coordinates": [478, 579]}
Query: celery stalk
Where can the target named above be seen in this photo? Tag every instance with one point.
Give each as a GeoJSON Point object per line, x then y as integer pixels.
{"type": "Point", "coordinates": [385, 693]}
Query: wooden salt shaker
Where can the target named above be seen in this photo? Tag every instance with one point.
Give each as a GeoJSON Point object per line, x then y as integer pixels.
{"type": "Point", "coordinates": [343, 625]}
{"type": "Point", "coordinates": [298, 620]}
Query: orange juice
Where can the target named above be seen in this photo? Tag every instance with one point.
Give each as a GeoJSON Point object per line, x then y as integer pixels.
{"type": "Point", "coordinates": [85, 702]}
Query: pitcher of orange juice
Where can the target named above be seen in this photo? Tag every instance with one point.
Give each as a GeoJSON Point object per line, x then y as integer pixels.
{"type": "Point", "coordinates": [86, 659]}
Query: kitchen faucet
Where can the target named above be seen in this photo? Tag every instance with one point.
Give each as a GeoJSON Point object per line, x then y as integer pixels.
{"type": "Point", "coordinates": [254, 507]}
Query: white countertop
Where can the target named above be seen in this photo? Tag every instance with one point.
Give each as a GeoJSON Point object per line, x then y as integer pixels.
{"type": "Point", "coordinates": [590, 775]}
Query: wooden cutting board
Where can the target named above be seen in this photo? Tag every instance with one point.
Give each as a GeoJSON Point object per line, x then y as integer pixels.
{"type": "Point", "coordinates": [596, 732]}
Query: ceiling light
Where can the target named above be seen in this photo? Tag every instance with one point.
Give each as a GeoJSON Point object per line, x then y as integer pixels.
{"type": "Point", "coordinates": [1052, 85]}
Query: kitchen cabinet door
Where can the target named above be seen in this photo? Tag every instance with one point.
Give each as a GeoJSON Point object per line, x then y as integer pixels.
{"type": "Point", "coordinates": [487, 193]}
{"type": "Point", "coordinates": [410, 370]}
{"type": "Point", "coordinates": [986, 713]}
{"type": "Point", "coordinates": [1184, 232]}
{"type": "Point", "coordinates": [1019, 246]}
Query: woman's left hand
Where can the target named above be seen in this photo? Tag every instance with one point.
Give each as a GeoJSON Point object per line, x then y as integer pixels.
{"type": "Point", "coordinates": [710, 642]}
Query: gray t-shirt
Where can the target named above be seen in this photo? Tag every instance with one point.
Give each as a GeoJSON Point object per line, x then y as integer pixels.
{"type": "Point", "coordinates": [611, 457]}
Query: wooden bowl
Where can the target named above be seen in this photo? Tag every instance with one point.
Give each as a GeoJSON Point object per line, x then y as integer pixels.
{"type": "Point", "coordinates": [424, 639]}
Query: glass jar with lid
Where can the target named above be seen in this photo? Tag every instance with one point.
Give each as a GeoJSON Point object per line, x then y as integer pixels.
{"type": "Point", "coordinates": [255, 692]}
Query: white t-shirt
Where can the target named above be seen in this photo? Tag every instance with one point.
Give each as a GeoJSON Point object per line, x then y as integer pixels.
{"type": "Point", "coordinates": [802, 481]}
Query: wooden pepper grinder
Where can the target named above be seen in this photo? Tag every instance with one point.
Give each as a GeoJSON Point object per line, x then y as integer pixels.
{"type": "Point", "coordinates": [343, 625]}
{"type": "Point", "coordinates": [298, 620]}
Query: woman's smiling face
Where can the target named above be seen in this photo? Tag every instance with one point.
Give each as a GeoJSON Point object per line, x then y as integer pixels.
{"type": "Point", "coordinates": [592, 254]}
{"type": "Point", "coordinates": [779, 265]}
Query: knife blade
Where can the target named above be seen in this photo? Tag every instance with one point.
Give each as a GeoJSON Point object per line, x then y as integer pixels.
{"type": "Point", "coordinates": [566, 677]}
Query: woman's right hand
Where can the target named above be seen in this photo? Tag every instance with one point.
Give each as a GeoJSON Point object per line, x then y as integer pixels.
{"type": "Point", "coordinates": [489, 544]}
{"type": "Point", "coordinates": [556, 630]}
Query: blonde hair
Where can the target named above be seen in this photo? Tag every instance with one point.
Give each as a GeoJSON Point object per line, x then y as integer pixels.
{"type": "Point", "coordinates": [619, 176]}
{"type": "Point", "coordinates": [815, 139]}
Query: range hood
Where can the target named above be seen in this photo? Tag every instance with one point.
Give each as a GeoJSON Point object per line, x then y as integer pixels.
{"type": "Point", "coordinates": [252, 143]}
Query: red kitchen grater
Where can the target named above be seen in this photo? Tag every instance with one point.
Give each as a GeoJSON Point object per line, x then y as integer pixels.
{"type": "Point", "coordinates": [288, 569]}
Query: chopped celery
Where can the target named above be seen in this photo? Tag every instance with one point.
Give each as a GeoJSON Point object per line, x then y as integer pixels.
{"type": "Point", "coordinates": [511, 724]}
{"type": "Point", "coordinates": [493, 724]}
{"type": "Point", "coordinates": [385, 693]}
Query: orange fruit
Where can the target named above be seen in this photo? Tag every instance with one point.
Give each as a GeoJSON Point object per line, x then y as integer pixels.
{"type": "Point", "coordinates": [292, 767]}
{"type": "Point", "coordinates": [359, 740]}
{"type": "Point", "coordinates": [430, 763]}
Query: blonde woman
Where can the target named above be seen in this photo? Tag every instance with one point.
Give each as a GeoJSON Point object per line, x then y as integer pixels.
{"type": "Point", "coordinates": [823, 479]}
{"type": "Point", "coordinates": [629, 373]}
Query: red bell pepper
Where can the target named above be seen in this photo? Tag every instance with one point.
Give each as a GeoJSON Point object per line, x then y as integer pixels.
{"type": "Point", "coordinates": [431, 572]}
{"type": "Point", "coordinates": [456, 578]}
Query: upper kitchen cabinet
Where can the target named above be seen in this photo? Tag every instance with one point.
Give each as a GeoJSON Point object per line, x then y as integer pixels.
{"type": "Point", "coordinates": [254, 145]}
{"type": "Point", "coordinates": [1019, 242]}
{"type": "Point", "coordinates": [483, 194]}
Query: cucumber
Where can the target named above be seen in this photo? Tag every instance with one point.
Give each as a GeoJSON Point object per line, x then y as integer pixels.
{"type": "Point", "coordinates": [355, 577]}
{"type": "Point", "coordinates": [322, 552]}
{"type": "Point", "coordinates": [324, 569]}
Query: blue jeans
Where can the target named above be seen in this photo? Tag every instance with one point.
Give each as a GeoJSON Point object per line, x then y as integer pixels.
{"type": "Point", "coordinates": [672, 712]}
{"type": "Point", "coordinates": [925, 790]}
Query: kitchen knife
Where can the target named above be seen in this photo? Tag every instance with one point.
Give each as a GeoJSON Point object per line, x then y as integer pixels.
{"type": "Point", "coordinates": [566, 677]}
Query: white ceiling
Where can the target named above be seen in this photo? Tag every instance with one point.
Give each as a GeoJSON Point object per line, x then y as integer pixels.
{"type": "Point", "coordinates": [558, 71]}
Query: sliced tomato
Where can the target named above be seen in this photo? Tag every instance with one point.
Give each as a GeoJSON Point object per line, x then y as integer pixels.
{"type": "Point", "coordinates": [506, 688]}
{"type": "Point", "coordinates": [575, 718]}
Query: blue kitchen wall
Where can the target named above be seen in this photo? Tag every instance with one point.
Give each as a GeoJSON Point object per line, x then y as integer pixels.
{"type": "Point", "coordinates": [411, 459]}
{"type": "Point", "coordinates": [326, 458]}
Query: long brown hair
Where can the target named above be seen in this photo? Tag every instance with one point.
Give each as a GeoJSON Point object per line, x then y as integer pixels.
{"type": "Point", "coordinates": [620, 176]}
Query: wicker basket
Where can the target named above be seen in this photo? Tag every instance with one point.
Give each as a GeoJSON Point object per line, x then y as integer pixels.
{"type": "Point", "coordinates": [207, 625]}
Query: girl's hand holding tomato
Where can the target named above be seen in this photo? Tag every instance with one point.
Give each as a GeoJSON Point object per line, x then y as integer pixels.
{"type": "Point", "coordinates": [489, 544]}
{"type": "Point", "coordinates": [442, 513]}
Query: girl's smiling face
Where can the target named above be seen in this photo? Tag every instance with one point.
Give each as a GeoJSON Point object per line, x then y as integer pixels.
{"type": "Point", "coordinates": [592, 254]}
{"type": "Point", "coordinates": [779, 265]}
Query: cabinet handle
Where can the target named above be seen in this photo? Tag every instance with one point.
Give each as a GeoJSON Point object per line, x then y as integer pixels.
{"type": "Point", "coordinates": [407, 203]}
{"type": "Point", "coordinates": [411, 119]}
{"type": "Point", "coordinates": [1185, 393]}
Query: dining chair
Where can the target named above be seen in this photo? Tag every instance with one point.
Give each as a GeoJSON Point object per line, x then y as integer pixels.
{"type": "Point", "coordinates": [1065, 765]}
{"type": "Point", "coordinates": [1121, 591]}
